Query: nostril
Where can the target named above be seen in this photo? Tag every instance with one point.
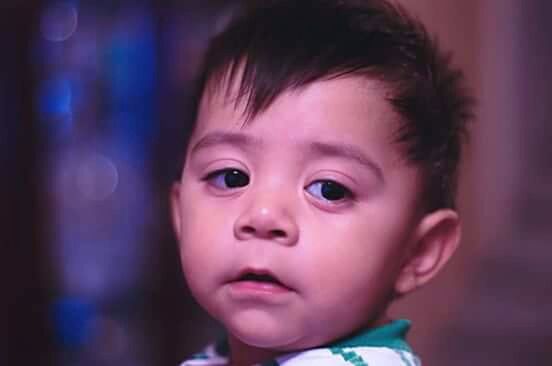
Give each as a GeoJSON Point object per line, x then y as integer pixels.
{"type": "Point", "coordinates": [278, 233]}
{"type": "Point", "coordinates": [248, 229]}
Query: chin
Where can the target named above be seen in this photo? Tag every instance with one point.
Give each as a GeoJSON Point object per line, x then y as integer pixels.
{"type": "Point", "coordinates": [265, 333]}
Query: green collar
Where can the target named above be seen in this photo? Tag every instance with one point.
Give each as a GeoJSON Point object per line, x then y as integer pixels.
{"type": "Point", "coordinates": [390, 335]}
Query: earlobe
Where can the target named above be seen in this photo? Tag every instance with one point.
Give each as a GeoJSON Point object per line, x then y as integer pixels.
{"type": "Point", "coordinates": [436, 239]}
{"type": "Point", "coordinates": [175, 208]}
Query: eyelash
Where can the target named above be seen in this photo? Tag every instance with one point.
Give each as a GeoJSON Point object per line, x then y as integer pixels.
{"type": "Point", "coordinates": [242, 180]}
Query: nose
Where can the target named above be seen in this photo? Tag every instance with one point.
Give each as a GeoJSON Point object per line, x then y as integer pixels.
{"type": "Point", "coordinates": [267, 219]}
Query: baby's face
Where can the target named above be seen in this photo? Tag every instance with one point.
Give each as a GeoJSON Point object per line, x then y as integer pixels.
{"type": "Point", "coordinates": [293, 228]}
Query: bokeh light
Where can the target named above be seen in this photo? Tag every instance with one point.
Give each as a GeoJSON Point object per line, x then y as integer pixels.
{"type": "Point", "coordinates": [97, 177]}
{"type": "Point", "coordinates": [56, 97]}
{"type": "Point", "coordinates": [59, 22]}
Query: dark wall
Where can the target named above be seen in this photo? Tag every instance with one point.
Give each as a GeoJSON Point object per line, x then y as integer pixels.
{"type": "Point", "coordinates": [25, 333]}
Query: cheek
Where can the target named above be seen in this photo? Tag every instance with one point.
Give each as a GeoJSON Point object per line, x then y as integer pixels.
{"type": "Point", "coordinates": [364, 236]}
{"type": "Point", "coordinates": [354, 251]}
{"type": "Point", "coordinates": [200, 244]}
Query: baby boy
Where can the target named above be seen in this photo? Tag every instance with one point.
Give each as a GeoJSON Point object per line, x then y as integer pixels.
{"type": "Point", "coordinates": [319, 181]}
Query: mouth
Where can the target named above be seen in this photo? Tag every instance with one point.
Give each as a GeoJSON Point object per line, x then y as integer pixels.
{"type": "Point", "coordinates": [260, 280]}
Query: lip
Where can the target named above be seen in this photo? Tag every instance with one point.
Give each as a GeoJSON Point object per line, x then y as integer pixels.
{"type": "Point", "coordinates": [242, 286]}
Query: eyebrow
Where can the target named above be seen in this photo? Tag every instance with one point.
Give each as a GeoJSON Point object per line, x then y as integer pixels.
{"type": "Point", "coordinates": [325, 149]}
{"type": "Point", "coordinates": [225, 138]}
{"type": "Point", "coordinates": [348, 152]}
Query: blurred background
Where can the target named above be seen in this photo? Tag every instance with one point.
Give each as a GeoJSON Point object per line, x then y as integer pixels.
{"type": "Point", "coordinates": [93, 100]}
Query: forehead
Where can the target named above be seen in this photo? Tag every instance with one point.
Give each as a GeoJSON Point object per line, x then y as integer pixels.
{"type": "Point", "coordinates": [335, 108]}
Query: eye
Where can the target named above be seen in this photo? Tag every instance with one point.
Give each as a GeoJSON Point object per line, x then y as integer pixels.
{"type": "Point", "coordinates": [328, 190]}
{"type": "Point", "coordinates": [227, 178]}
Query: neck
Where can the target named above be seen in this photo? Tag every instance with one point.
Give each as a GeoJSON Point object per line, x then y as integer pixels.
{"type": "Point", "coordinates": [242, 354]}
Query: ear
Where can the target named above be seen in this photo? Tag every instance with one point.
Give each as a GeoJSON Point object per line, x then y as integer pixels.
{"type": "Point", "coordinates": [176, 213]}
{"type": "Point", "coordinates": [435, 240]}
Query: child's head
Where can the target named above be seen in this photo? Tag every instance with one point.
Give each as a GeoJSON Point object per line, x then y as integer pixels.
{"type": "Point", "coordinates": [320, 174]}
